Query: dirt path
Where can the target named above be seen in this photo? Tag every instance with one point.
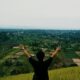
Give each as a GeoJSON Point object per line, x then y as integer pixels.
{"type": "Point", "coordinates": [76, 61]}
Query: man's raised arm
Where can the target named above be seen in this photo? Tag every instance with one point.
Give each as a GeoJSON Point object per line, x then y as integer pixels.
{"type": "Point", "coordinates": [54, 53]}
{"type": "Point", "coordinates": [23, 48]}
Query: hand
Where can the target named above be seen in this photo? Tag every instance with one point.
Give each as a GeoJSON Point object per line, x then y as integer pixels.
{"type": "Point", "coordinates": [22, 46]}
{"type": "Point", "coordinates": [55, 52]}
{"type": "Point", "coordinates": [24, 50]}
{"type": "Point", "coordinates": [58, 48]}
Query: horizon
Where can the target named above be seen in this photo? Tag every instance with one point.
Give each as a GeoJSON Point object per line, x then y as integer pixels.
{"type": "Point", "coordinates": [35, 29]}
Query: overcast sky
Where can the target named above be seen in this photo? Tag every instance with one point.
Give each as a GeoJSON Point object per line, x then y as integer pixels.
{"type": "Point", "coordinates": [40, 14]}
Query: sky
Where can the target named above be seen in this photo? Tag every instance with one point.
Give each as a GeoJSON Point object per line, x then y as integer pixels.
{"type": "Point", "coordinates": [40, 14]}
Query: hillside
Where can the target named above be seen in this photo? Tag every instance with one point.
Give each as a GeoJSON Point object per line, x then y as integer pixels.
{"type": "Point", "coordinates": [72, 73]}
{"type": "Point", "coordinates": [13, 61]}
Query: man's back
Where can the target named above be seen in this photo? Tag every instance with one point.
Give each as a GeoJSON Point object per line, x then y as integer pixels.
{"type": "Point", "coordinates": [40, 68]}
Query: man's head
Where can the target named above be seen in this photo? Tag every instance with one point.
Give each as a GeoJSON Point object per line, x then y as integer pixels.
{"type": "Point", "coordinates": [40, 55]}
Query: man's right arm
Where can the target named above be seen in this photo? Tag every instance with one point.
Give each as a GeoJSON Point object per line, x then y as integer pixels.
{"type": "Point", "coordinates": [54, 53]}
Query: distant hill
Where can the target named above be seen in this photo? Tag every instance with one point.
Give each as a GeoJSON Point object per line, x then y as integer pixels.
{"type": "Point", "coordinates": [72, 73]}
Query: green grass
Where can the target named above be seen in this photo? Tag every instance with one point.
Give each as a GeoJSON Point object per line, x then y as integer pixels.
{"type": "Point", "coordinates": [72, 73]}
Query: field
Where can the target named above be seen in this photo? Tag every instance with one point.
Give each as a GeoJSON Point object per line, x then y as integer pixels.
{"type": "Point", "coordinates": [72, 73]}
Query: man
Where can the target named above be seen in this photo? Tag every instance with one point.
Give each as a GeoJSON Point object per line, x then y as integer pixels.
{"type": "Point", "coordinates": [40, 66]}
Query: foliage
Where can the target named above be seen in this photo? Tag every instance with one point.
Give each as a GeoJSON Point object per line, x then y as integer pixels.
{"type": "Point", "coordinates": [69, 40]}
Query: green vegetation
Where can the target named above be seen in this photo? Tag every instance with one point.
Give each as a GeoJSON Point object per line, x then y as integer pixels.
{"type": "Point", "coordinates": [72, 73]}
{"type": "Point", "coordinates": [12, 60]}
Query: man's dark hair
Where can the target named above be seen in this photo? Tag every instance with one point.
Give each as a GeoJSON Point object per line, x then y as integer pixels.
{"type": "Point", "coordinates": [40, 55]}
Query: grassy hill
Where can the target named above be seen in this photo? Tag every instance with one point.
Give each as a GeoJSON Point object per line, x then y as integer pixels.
{"type": "Point", "coordinates": [72, 73]}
